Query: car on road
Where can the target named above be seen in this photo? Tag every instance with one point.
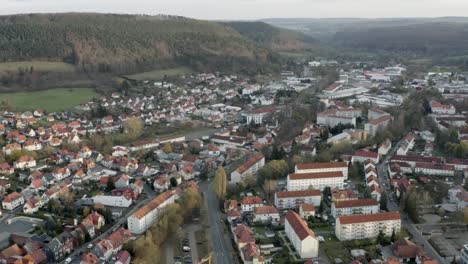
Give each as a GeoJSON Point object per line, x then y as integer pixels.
{"type": "Point", "coordinates": [90, 246]}
{"type": "Point", "coordinates": [186, 248]}
{"type": "Point", "coordinates": [68, 260]}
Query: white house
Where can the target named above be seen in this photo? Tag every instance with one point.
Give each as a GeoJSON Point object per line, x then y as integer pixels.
{"type": "Point", "coordinates": [300, 235]}
{"type": "Point", "coordinates": [352, 207]}
{"type": "Point", "coordinates": [367, 226]}
{"type": "Point", "coordinates": [434, 169]}
{"type": "Point", "coordinates": [293, 199]}
{"type": "Point", "coordinates": [249, 203]}
{"type": "Point", "coordinates": [266, 214]}
{"type": "Point", "coordinates": [12, 201]}
{"type": "Point", "coordinates": [251, 167]}
{"type": "Point", "coordinates": [24, 162]}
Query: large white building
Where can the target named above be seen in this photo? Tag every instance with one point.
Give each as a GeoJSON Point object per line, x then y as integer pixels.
{"type": "Point", "coordinates": [258, 116]}
{"type": "Point", "coordinates": [293, 199]}
{"type": "Point", "coordinates": [109, 200]}
{"type": "Point", "coordinates": [322, 167]}
{"type": "Point", "coordinates": [144, 217]}
{"type": "Point", "coordinates": [249, 168]}
{"type": "Point", "coordinates": [335, 117]}
{"type": "Point", "coordinates": [300, 235]}
{"type": "Point", "coordinates": [317, 180]}
{"type": "Point", "coordinates": [367, 226]}
{"type": "Point", "coordinates": [353, 207]}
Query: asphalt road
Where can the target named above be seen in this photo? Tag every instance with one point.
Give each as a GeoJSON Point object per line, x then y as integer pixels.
{"type": "Point", "coordinates": [221, 245]}
{"type": "Point", "coordinates": [393, 206]}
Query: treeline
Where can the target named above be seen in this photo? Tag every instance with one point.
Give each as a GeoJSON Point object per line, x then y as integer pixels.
{"type": "Point", "coordinates": [431, 39]}
{"type": "Point", "coordinates": [128, 43]}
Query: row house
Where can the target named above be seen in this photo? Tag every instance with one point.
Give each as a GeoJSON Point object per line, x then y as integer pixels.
{"type": "Point", "coordinates": [302, 238]}
{"type": "Point", "coordinates": [367, 226]}
{"type": "Point", "coordinates": [352, 207]}
{"type": "Point", "coordinates": [318, 180]}
{"type": "Point", "coordinates": [144, 217]}
{"type": "Point", "coordinates": [293, 199]}
{"type": "Point", "coordinates": [318, 167]}
{"type": "Point", "coordinates": [251, 167]}
{"type": "Point", "coordinates": [434, 169]}
{"type": "Point", "coordinates": [385, 147]}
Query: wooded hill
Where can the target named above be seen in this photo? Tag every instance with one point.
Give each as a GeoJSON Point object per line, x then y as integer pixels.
{"type": "Point", "coordinates": [109, 43]}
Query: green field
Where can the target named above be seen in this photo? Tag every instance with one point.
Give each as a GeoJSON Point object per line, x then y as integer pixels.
{"type": "Point", "coordinates": [50, 100]}
{"type": "Point", "coordinates": [37, 65]}
{"type": "Point", "coordinates": [159, 74]}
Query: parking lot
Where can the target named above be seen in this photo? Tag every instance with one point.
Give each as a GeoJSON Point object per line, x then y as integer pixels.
{"type": "Point", "coordinates": [18, 224]}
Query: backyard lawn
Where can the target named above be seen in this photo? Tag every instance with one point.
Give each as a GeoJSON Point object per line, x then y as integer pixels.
{"type": "Point", "coordinates": [335, 249]}
{"type": "Point", "coordinates": [50, 100]}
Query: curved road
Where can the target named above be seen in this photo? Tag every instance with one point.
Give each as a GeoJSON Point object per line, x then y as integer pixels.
{"type": "Point", "coordinates": [221, 245]}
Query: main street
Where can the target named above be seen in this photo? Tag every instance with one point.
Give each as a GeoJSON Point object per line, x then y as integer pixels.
{"type": "Point", "coordinates": [393, 206]}
{"type": "Point", "coordinates": [221, 245]}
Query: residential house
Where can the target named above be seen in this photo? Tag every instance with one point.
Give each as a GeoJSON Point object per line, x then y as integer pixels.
{"type": "Point", "coordinates": [249, 203]}
{"type": "Point", "coordinates": [266, 214]}
{"type": "Point", "coordinates": [12, 201]}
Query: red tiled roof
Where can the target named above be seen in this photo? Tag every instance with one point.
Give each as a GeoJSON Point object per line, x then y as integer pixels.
{"type": "Point", "coordinates": [303, 193]}
{"type": "Point", "coordinates": [252, 200]}
{"type": "Point", "coordinates": [298, 225]}
{"type": "Point", "coordinates": [315, 175]}
{"type": "Point", "coordinates": [381, 120]}
{"type": "Point", "coordinates": [265, 210]}
{"type": "Point", "coordinates": [140, 213]}
{"type": "Point", "coordinates": [366, 153]}
{"type": "Point", "coordinates": [355, 203]}
{"type": "Point", "coordinates": [320, 165]}
{"type": "Point", "coordinates": [378, 217]}
{"type": "Point", "coordinates": [308, 207]}
{"type": "Point", "coordinates": [252, 161]}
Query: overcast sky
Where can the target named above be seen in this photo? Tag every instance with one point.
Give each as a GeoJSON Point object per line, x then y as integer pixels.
{"type": "Point", "coordinates": [247, 9]}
